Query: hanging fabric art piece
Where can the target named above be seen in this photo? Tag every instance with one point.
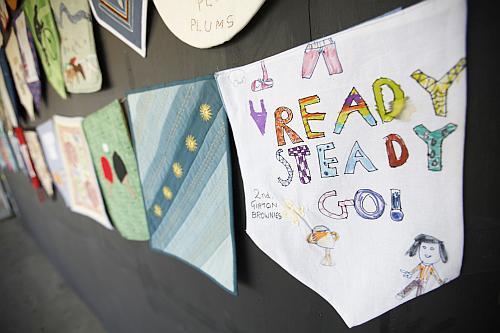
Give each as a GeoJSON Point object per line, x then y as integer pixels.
{"type": "Point", "coordinates": [38, 160]}
{"type": "Point", "coordinates": [347, 155]}
{"type": "Point", "coordinates": [184, 168]}
{"type": "Point", "coordinates": [53, 158]}
{"type": "Point", "coordinates": [83, 190]}
{"type": "Point", "coordinates": [78, 55]}
{"type": "Point", "coordinates": [7, 114]}
{"type": "Point", "coordinates": [35, 181]}
{"type": "Point", "coordinates": [41, 23]}
{"type": "Point", "coordinates": [4, 16]}
{"type": "Point", "coordinates": [6, 151]}
{"type": "Point", "coordinates": [126, 19]}
{"type": "Point", "coordinates": [29, 58]}
{"type": "Point", "coordinates": [16, 150]}
{"type": "Point", "coordinates": [204, 24]}
{"type": "Point", "coordinates": [116, 168]}
{"type": "Point", "coordinates": [12, 4]}
{"type": "Point", "coordinates": [8, 95]}
{"type": "Point", "coordinates": [17, 70]}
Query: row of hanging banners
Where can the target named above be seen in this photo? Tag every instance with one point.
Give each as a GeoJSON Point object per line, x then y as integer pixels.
{"type": "Point", "coordinates": [351, 164]}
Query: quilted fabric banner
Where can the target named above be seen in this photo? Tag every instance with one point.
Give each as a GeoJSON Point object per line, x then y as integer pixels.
{"type": "Point", "coordinates": [17, 70]}
{"type": "Point", "coordinates": [6, 151]}
{"type": "Point", "coordinates": [116, 168]}
{"type": "Point", "coordinates": [126, 19]}
{"type": "Point", "coordinates": [23, 148]}
{"type": "Point", "coordinates": [347, 146]}
{"type": "Point", "coordinates": [53, 158]}
{"type": "Point", "coordinates": [180, 137]}
{"type": "Point", "coordinates": [78, 55]}
{"type": "Point", "coordinates": [16, 149]}
{"type": "Point", "coordinates": [7, 114]}
{"type": "Point", "coordinates": [83, 190]}
{"type": "Point", "coordinates": [4, 16]}
{"type": "Point", "coordinates": [8, 95]}
{"type": "Point", "coordinates": [42, 26]}
{"type": "Point", "coordinates": [39, 162]}
{"type": "Point", "coordinates": [29, 58]}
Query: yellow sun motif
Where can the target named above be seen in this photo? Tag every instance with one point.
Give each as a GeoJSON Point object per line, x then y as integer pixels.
{"type": "Point", "coordinates": [191, 143]}
{"type": "Point", "coordinates": [205, 112]}
{"type": "Point", "coordinates": [157, 210]}
{"type": "Point", "coordinates": [177, 169]}
{"type": "Point", "coordinates": [167, 193]}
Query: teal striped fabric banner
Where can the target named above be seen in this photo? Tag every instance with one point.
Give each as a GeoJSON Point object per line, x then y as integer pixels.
{"type": "Point", "coordinates": [180, 135]}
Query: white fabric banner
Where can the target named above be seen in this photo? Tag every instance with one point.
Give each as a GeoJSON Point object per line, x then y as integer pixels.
{"type": "Point", "coordinates": [351, 153]}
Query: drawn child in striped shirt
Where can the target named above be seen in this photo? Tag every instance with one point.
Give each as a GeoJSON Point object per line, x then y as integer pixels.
{"type": "Point", "coordinates": [430, 251]}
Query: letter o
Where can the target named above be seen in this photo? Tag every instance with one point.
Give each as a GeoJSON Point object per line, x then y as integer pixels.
{"type": "Point", "coordinates": [359, 199]}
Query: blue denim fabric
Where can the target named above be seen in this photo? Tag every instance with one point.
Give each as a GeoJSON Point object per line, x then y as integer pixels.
{"type": "Point", "coordinates": [195, 223]}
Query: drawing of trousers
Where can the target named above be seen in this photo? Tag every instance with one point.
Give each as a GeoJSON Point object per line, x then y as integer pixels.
{"type": "Point", "coordinates": [419, 284]}
{"type": "Point", "coordinates": [327, 48]}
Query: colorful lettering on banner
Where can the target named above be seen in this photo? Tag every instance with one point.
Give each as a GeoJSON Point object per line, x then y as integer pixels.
{"type": "Point", "coordinates": [289, 170]}
{"type": "Point", "coordinates": [397, 103]}
{"type": "Point", "coordinates": [439, 89]}
{"type": "Point", "coordinates": [306, 116]}
{"type": "Point", "coordinates": [396, 161]}
{"type": "Point", "coordinates": [434, 141]}
{"type": "Point", "coordinates": [300, 154]}
{"type": "Point", "coordinates": [282, 127]}
{"type": "Point", "coordinates": [353, 103]}
{"type": "Point", "coordinates": [324, 163]}
{"type": "Point", "coordinates": [370, 180]}
{"type": "Point", "coordinates": [358, 155]}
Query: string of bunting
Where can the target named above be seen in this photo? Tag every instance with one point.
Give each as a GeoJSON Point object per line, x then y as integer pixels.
{"type": "Point", "coordinates": [345, 148]}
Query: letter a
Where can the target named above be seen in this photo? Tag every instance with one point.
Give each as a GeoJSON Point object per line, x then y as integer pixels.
{"type": "Point", "coordinates": [359, 106]}
{"type": "Point", "coordinates": [358, 155]}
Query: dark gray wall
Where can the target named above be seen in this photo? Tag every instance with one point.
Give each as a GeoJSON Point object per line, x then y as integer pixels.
{"type": "Point", "coordinates": [133, 289]}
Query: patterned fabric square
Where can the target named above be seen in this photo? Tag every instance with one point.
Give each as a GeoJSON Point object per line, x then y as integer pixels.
{"type": "Point", "coordinates": [180, 135]}
{"type": "Point", "coordinates": [78, 55]}
{"type": "Point", "coordinates": [126, 19]}
{"type": "Point", "coordinates": [116, 167]}
{"type": "Point", "coordinates": [38, 160]}
{"type": "Point", "coordinates": [29, 58]}
{"type": "Point", "coordinates": [53, 158]}
{"type": "Point", "coordinates": [83, 190]}
{"type": "Point", "coordinates": [42, 26]}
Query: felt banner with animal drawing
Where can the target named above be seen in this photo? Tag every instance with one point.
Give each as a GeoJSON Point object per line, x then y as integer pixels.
{"type": "Point", "coordinates": [29, 58]}
{"type": "Point", "coordinates": [78, 55]}
{"type": "Point", "coordinates": [54, 158]}
{"type": "Point", "coordinates": [351, 153]}
{"type": "Point", "coordinates": [83, 190]}
{"type": "Point", "coordinates": [116, 168]}
{"type": "Point", "coordinates": [126, 19]}
{"type": "Point", "coordinates": [38, 160]}
{"type": "Point", "coordinates": [42, 26]}
{"type": "Point", "coordinates": [180, 136]}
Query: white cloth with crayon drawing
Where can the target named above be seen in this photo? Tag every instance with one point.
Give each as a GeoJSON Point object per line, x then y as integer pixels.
{"type": "Point", "coordinates": [351, 153]}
